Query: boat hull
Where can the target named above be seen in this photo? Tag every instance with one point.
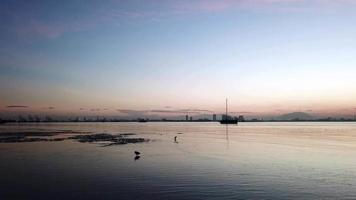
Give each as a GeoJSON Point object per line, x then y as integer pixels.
{"type": "Point", "coordinates": [228, 121]}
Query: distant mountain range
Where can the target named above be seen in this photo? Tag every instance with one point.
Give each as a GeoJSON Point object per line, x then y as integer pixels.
{"type": "Point", "coordinates": [295, 115]}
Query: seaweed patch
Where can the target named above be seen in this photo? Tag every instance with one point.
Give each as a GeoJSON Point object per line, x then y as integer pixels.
{"type": "Point", "coordinates": [106, 139]}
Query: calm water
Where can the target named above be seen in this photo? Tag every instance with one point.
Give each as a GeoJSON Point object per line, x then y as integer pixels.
{"type": "Point", "coordinates": [250, 161]}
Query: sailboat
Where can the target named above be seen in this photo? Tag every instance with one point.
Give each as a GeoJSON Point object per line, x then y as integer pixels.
{"type": "Point", "coordinates": [227, 120]}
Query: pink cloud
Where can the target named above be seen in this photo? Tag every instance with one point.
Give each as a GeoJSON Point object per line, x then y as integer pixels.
{"type": "Point", "coordinates": [221, 5]}
{"type": "Point", "coordinates": [209, 5]}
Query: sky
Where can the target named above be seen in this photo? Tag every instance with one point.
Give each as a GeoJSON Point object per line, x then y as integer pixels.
{"type": "Point", "coordinates": [176, 57]}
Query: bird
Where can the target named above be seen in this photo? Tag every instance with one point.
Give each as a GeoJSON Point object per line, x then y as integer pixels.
{"type": "Point", "coordinates": [137, 153]}
{"type": "Point", "coordinates": [175, 138]}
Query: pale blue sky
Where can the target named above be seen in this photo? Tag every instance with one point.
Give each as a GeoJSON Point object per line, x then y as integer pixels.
{"type": "Point", "coordinates": [263, 55]}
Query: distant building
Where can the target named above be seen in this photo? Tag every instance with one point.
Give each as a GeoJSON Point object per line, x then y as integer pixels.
{"type": "Point", "coordinates": [241, 118]}
{"type": "Point", "coordinates": [186, 118]}
{"type": "Point", "coordinates": [214, 117]}
{"type": "Point", "coordinates": [22, 119]}
{"type": "Point", "coordinates": [225, 117]}
{"type": "Point", "coordinates": [48, 119]}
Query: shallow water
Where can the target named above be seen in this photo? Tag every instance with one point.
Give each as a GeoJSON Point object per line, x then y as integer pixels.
{"type": "Point", "coordinates": [299, 160]}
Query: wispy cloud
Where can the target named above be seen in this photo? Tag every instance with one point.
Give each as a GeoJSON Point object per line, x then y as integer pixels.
{"type": "Point", "coordinates": [50, 108]}
{"type": "Point", "coordinates": [30, 21]}
{"type": "Point", "coordinates": [132, 112]}
{"type": "Point", "coordinates": [242, 112]}
{"type": "Point", "coordinates": [205, 6]}
{"type": "Point", "coordinates": [164, 111]}
{"type": "Point", "coordinates": [181, 111]}
{"type": "Point", "coordinates": [33, 28]}
{"type": "Point", "coordinates": [16, 106]}
{"type": "Point", "coordinates": [223, 5]}
{"type": "Point", "coordinates": [23, 20]}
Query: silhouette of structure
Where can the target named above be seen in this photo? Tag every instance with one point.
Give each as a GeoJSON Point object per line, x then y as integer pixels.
{"type": "Point", "coordinates": [241, 118]}
{"type": "Point", "coordinates": [227, 119]}
{"type": "Point", "coordinates": [214, 117]}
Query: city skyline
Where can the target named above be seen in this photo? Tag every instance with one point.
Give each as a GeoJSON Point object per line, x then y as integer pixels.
{"type": "Point", "coordinates": [268, 57]}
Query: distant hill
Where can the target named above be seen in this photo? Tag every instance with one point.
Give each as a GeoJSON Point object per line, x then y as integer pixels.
{"type": "Point", "coordinates": [295, 115]}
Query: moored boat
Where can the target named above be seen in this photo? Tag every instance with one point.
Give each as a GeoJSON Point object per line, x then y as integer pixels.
{"type": "Point", "coordinates": [227, 119]}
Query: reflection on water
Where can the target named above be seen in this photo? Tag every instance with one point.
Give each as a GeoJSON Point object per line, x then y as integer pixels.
{"type": "Point", "coordinates": [205, 161]}
{"type": "Point", "coordinates": [227, 136]}
{"type": "Point", "coordinates": [137, 157]}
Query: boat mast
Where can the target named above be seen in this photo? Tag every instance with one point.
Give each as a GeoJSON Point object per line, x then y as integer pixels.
{"type": "Point", "coordinates": [226, 110]}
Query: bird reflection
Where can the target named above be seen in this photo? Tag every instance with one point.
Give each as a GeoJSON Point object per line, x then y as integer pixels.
{"type": "Point", "coordinates": [137, 157]}
{"type": "Point", "coordinates": [137, 153]}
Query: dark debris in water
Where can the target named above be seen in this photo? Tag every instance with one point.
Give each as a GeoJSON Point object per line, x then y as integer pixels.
{"type": "Point", "coordinates": [111, 139]}
{"type": "Point", "coordinates": [106, 139]}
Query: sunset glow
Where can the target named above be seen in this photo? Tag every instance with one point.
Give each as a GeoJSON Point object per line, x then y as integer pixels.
{"type": "Point", "coordinates": [174, 57]}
